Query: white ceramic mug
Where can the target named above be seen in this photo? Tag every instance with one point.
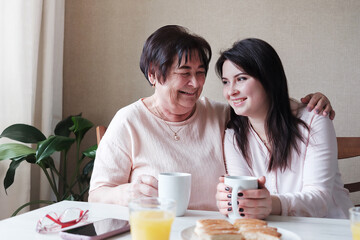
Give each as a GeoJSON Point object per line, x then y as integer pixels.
{"type": "Point", "coordinates": [239, 183]}
{"type": "Point", "coordinates": [176, 186]}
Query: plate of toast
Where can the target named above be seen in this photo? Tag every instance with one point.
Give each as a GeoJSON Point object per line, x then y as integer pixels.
{"type": "Point", "coordinates": [242, 229]}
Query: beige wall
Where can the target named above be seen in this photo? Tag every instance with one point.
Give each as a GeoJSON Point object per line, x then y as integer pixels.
{"type": "Point", "coordinates": [317, 40]}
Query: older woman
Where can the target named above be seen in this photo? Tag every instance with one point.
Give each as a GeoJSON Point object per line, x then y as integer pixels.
{"type": "Point", "coordinates": [172, 130]}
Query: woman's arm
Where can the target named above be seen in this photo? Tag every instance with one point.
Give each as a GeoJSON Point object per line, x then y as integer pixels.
{"type": "Point", "coordinates": [319, 171]}
{"type": "Point", "coordinates": [110, 180]}
{"type": "Point", "coordinates": [146, 186]}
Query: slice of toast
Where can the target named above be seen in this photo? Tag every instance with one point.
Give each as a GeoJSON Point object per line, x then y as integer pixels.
{"type": "Point", "coordinates": [207, 222]}
{"type": "Point", "coordinates": [243, 229]}
{"type": "Point", "coordinates": [261, 234]}
{"type": "Point", "coordinates": [249, 221]}
{"type": "Point", "coordinates": [213, 225]}
{"type": "Point", "coordinates": [221, 235]}
{"type": "Point", "coordinates": [256, 229]}
{"type": "Point", "coordinates": [216, 229]}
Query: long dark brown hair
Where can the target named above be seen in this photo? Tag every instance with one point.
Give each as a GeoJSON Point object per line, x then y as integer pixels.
{"type": "Point", "coordinates": [259, 60]}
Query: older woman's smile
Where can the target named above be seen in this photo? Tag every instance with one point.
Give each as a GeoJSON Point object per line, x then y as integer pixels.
{"type": "Point", "coordinates": [189, 93]}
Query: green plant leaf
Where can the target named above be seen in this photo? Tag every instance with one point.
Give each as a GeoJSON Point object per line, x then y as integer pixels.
{"type": "Point", "coordinates": [63, 127]}
{"type": "Point", "coordinates": [88, 168]}
{"type": "Point", "coordinates": [80, 127]}
{"type": "Point", "coordinates": [90, 152]}
{"type": "Point", "coordinates": [70, 198]}
{"type": "Point", "coordinates": [30, 158]}
{"type": "Point", "coordinates": [14, 150]}
{"type": "Point", "coordinates": [10, 174]}
{"type": "Point", "coordinates": [52, 144]}
{"type": "Point", "coordinates": [23, 133]}
{"type": "Point", "coordinates": [48, 162]}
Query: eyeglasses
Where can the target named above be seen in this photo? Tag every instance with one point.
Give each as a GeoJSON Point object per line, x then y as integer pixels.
{"type": "Point", "coordinates": [51, 222]}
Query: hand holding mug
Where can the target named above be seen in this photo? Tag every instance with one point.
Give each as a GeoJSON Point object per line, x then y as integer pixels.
{"type": "Point", "coordinates": [246, 201]}
{"type": "Point", "coordinates": [144, 186]}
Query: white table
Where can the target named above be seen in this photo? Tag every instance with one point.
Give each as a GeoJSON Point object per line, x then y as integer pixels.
{"type": "Point", "coordinates": [23, 226]}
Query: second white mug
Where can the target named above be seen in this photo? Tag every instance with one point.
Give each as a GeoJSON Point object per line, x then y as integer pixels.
{"type": "Point", "coordinates": [176, 186]}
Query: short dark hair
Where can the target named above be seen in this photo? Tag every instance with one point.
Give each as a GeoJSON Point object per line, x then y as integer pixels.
{"type": "Point", "coordinates": [260, 60]}
{"type": "Point", "coordinates": [167, 42]}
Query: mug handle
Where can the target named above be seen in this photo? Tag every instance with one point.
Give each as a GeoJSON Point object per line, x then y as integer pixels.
{"type": "Point", "coordinates": [234, 203]}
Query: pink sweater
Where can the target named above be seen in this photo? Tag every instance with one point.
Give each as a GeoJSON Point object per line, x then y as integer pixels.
{"type": "Point", "coordinates": [313, 186]}
{"type": "Point", "coordinates": [138, 142]}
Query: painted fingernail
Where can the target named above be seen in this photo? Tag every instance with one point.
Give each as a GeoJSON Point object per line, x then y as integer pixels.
{"type": "Point", "coordinates": [229, 195]}
{"type": "Point", "coordinates": [243, 215]}
{"type": "Point", "coordinates": [227, 189]}
{"type": "Point", "coordinates": [229, 203]}
{"type": "Point", "coordinates": [309, 109]}
{"type": "Point", "coordinates": [240, 194]}
{"type": "Point", "coordinates": [241, 209]}
{"type": "Point", "coordinates": [229, 209]}
{"type": "Point", "coordinates": [317, 111]}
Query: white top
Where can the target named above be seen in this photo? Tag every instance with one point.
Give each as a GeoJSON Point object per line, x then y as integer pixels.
{"type": "Point", "coordinates": [312, 186]}
{"type": "Point", "coordinates": [23, 226]}
{"type": "Point", "coordinates": [138, 142]}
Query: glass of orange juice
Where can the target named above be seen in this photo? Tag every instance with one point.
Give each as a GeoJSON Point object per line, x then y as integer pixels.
{"type": "Point", "coordinates": [151, 218]}
{"type": "Point", "coordinates": [355, 222]}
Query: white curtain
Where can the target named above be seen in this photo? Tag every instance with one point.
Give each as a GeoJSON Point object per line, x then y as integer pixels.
{"type": "Point", "coordinates": [31, 60]}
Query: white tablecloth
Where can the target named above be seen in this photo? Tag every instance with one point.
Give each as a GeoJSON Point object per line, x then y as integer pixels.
{"type": "Point", "coordinates": [23, 226]}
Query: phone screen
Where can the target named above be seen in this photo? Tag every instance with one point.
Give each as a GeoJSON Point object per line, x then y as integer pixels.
{"type": "Point", "coordinates": [101, 227]}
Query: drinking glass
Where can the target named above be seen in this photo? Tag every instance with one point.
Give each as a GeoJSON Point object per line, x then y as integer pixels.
{"type": "Point", "coordinates": [151, 218]}
{"type": "Point", "coordinates": [355, 222]}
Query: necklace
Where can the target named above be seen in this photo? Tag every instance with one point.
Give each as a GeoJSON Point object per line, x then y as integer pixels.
{"type": "Point", "coordinates": [176, 137]}
{"type": "Point", "coordinates": [265, 142]}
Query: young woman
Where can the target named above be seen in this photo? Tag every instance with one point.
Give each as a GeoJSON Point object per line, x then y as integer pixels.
{"type": "Point", "coordinates": [293, 151]}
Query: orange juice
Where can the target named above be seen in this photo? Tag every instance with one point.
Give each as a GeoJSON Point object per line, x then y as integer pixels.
{"type": "Point", "coordinates": [151, 225]}
{"type": "Point", "coordinates": [355, 229]}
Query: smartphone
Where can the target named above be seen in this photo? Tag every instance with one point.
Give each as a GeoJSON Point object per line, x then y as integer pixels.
{"type": "Point", "coordinates": [97, 230]}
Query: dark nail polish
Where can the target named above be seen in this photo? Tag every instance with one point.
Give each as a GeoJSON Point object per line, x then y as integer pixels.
{"type": "Point", "coordinates": [240, 194]}
{"type": "Point", "coordinates": [229, 195]}
{"type": "Point", "coordinates": [227, 189]}
{"type": "Point", "coordinates": [229, 209]}
{"type": "Point", "coordinates": [243, 215]}
{"type": "Point", "coordinates": [309, 109]}
{"type": "Point", "coordinates": [229, 203]}
{"type": "Point", "coordinates": [317, 111]}
{"type": "Point", "coordinates": [241, 210]}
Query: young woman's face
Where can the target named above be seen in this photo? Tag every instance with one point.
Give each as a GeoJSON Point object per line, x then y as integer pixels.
{"type": "Point", "coordinates": [183, 85]}
{"type": "Point", "coordinates": [244, 93]}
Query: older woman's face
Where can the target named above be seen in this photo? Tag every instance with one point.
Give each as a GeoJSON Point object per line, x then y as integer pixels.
{"type": "Point", "coordinates": [183, 85]}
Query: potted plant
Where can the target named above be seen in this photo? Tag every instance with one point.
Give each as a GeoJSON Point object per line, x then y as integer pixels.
{"type": "Point", "coordinates": [67, 132]}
